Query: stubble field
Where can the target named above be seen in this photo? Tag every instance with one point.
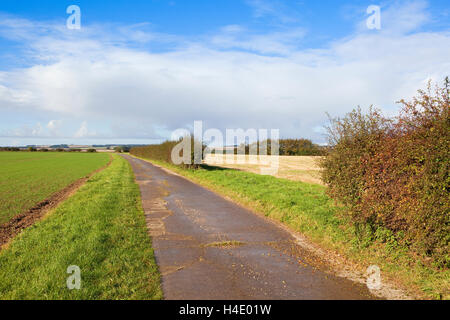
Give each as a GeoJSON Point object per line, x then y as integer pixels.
{"type": "Point", "coordinates": [295, 168]}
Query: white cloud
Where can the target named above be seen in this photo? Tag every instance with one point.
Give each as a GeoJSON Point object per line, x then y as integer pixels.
{"type": "Point", "coordinates": [54, 127]}
{"type": "Point", "coordinates": [24, 131]}
{"type": "Point", "coordinates": [406, 16]}
{"type": "Point", "coordinates": [273, 8]}
{"type": "Point", "coordinates": [37, 131]}
{"type": "Point", "coordinates": [54, 124]}
{"type": "Point", "coordinates": [279, 43]}
{"type": "Point", "coordinates": [83, 131]}
{"type": "Point", "coordinates": [229, 80]}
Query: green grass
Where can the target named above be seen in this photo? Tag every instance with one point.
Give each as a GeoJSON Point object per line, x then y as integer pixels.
{"type": "Point", "coordinates": [307, 209]}
{"type": "Point", "coordinates": [27, 178]}
{"type": "Point", "coordinates": [224, 244]}
{"type": "Point", "coordinates": [102, 230]}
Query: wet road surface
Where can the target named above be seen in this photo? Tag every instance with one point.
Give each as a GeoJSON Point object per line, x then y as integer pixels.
{"type": "Point", "coordinates": [207, 247]}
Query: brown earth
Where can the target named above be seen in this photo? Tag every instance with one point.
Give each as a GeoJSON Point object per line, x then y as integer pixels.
{"type": "Point", "coordinates": [26, 219]}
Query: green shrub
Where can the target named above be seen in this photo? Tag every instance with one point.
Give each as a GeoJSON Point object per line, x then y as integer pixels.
{"type": "Point", "coordinates": [9, 149]}
{"type": "Point", "coordinates": [353, 139]}
{"type": "Point", "coordinates": [91, 150]}
{"type": "Point", "coordinates": [287, 147]}
{"type": "Point", "coordinates": [394, 173]}
{"type": "Point", "coordinates": [163, 152]}
{"type": "Point", "coordinates": [299, 147]}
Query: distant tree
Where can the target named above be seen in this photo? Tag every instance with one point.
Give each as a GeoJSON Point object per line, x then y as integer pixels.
{"type": "Point", "coordinates": [59, 146]}
{"type": "Point", "coordinates": [287, 147]}
{"type": "Point", "coordinates": [91, 150]}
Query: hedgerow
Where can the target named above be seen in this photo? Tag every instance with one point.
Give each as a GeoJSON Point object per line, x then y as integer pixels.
{"type": "Point", "coordinates": [160, 152]}
{"type": "Point", "coordinates": [394, 173]}
{"type": "Point", "coordinates": [163, 152]}
{"type": "Point", "coordinates": [286, 147]}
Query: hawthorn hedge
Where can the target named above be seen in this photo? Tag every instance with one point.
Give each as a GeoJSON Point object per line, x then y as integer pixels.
{"type": "Point", "coordinates": [394, 172]}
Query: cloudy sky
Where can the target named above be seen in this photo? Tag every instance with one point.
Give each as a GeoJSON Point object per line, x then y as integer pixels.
{"type": "Point", "coordinates": [137, 70]}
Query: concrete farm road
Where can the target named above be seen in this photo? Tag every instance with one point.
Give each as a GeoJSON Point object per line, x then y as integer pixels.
{"type": "Point", "coordinates": [207, 247]}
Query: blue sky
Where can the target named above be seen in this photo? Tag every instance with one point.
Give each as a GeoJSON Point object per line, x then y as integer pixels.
{"type": "Point", "coordinates": [137, 70]}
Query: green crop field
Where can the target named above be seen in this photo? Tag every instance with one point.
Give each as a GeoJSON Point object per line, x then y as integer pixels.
{"type": "Point", "coordinates": [101, 229]}
{"type": "Point", "coordinates": [27, 178]}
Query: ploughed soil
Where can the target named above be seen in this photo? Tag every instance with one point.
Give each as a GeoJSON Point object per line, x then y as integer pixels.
{"type": "Point", "coordinates": [26, 219]}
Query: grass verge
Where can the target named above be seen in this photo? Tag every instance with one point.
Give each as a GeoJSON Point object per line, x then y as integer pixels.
{"type": "Point", "coordinates": [307, 209]}
{"type": "Point", "coordinates": [101, 229]}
